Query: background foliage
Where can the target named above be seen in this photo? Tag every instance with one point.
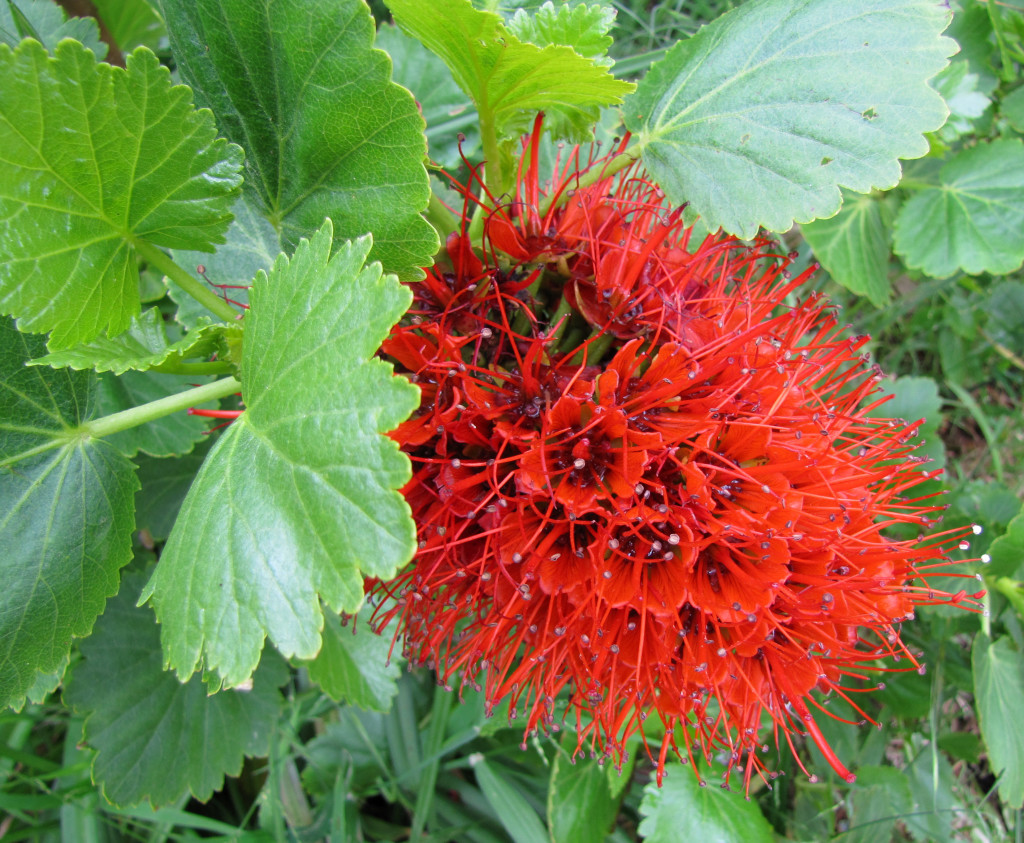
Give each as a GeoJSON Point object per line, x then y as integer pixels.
{"type": "Point", "coordinates": [101, 743]}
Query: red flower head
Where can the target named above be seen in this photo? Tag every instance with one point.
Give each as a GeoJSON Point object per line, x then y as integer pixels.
{"type": "Point", "coordinates": [643, 480]}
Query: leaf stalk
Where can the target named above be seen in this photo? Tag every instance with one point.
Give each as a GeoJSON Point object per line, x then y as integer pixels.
{"type": "Point", "coordinates": [135, 416]}
{"type": "Point", "coordinates": [201, 293]}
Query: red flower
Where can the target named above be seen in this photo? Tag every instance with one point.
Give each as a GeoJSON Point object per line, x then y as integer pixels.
{"type": "Point", "coordinates": [644, 481]}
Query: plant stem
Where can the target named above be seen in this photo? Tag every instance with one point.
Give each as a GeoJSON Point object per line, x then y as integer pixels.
{"type": "Point", "coordinates": [157, 409]}
{"type": "Point", "coordinates": [202, 294]}
{"type": "Point", "coordinates": [215, 367]}
{"type": "Point", "coordinates": [492, 152]}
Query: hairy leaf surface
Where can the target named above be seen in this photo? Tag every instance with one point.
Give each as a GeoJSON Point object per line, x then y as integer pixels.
{"type": "Point", "coordinates": [759, 118]}
{"type": "Point", "coordinates": [297, 499]}
{"type": "Point", "coordinates": [92, 158]}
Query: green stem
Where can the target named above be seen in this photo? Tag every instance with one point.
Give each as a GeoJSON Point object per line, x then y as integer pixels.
{"type": "Point", "coordinates": [594, 175]}
{"type": "Point", "coordinates": [492, 152]}
{"type": "Point", "coordinates": [492, 171]}
{"type": "Point", "coordinates": [126, 419]}
{"type": "Point", "coordinates": [157, 409]}
{"type": "Point", "coordinates": [563, 313]}
{"type": "Point", "coordinates": [200, 292]}
{"type": "Point", "coordinates": [594, 349]}
{"type": "Point", "coordinates": [215, 367]}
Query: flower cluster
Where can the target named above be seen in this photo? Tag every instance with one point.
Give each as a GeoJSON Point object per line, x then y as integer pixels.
{"type": "Point", "coordinates": [647, 480]}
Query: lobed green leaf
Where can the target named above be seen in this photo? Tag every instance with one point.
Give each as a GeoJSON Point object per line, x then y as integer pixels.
{"type": "Point", "coordinates": [326, 131]}
{"type": "Point", "coordinates": [854, 247]}
{"type": "Point", "coordinates": [972, 219]}
{"type": "Point", "coordinates": [684, 808]}
{"type": "Point", "coordinates": [354, 665]}
{"type": "Point", "coordinates": [93, 159]}
{"type": "Point", "coordinates": [508, 80]}
{"type": "Point", "coordinates": [155, 738]}
{"type": "Point", "coordinates": [145, 345]}
{"type": "Point", "coordinates": [66, 515]}
{"type": "Point", "coordinates": [453, 126]}
{"type": "Point", "coordinates": [760, 118]}
{"type": "Point", "coordinates": [47, 22]}
{"type": "Point", "coordinates": [999, 694]}
{"type": "Point", "coordinates": [583, 27]}
{"type": "Point", "coordinates": [297, 499]}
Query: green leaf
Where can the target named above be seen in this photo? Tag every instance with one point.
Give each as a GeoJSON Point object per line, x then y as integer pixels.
{"type": "Point", "coordinates": [761, 116]}
{"type": "Point", "coordinates": [66, 514]}
{"type": "Point", "coordinates": [446, 108]}
{"type": "Point", "coordinates": [103, 156]}
{"type": "Point", "coordinates": [167, 436]}
{"type": "Point", "coordinates": [1005, 310]}
{"type": "Point", "coordinates": [298, 497]}
{"type": "Point", "coordinates": [156, 738]}
{"type": "Point", "coordinates": [959, 88]}
{"type": "Point", "coordinates": [46, 22]}
{"type": "Point", "coordinates": [164, 484]}
{"type": "Point", "coordinates": [581, 807]}
{"type": "Point", "coordinates": [508, 803]}
{"type": "Point", "coordinates": [353, 667]}
{"type": "Point", "coordinates": [143, 346]}
{"type": "Point", "coordinates": [973, 219]}
{"type": "Point", "coordinates": [854, 247]}
{"type": "Point", "coordinates": [45, 684]}
{"type": "Point", "coordinates": [913, 399]}
{"type": "Point", "coordinates": [937, 810]}
{"type": "Point", "coordinates": [999, 695]}
{"type": "Point", "coordinates": [972, 30]}
{"type": "Point", "coordinates": [1012, 109]}
{"type": "Point", "coordinates": [685, 809]}
{"type": "Point", "coordinates": [326, 132]}
{"type": "Point", "coordinates": [510, 81]}
{"type": "Point", "coordinates": [1006, 553]}
{"type": "Point", "coordinates": [878, 798]}
{"type": "Point", "coordinates": [132, 23]}
{"type": "Point", "coordinates": [583, 27]}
